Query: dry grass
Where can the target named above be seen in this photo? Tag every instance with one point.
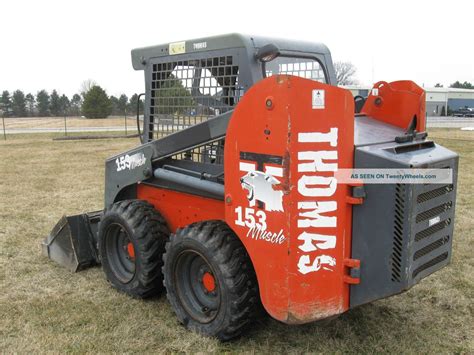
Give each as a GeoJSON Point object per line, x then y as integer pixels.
{"type": "Point", "coordinates": [45, 308]}
{"type": "Point", "coordinates": [72, 122]}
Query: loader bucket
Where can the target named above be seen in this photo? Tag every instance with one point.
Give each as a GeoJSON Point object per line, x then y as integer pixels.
{"type": "Point", "coordinates": [72, 242]}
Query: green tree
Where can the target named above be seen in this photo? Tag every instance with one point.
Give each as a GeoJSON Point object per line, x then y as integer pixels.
{"type": "Point", "coordinates": [30, 104]}
{"type": "Point", "coordinates": [42, 101]}
{"type": "Point", "coordinates": [54, 104]}
{"type": "Point", "coordinates": [132, 105]}
{"type": "Point", "coordinates": [122, 104]}
{"type": "Point", "coordinates": [18, 104]}
{"type": "Point", "coordinates": [64, 105]}
{"type": "Point", "coordinates": [76, 104]}
{"type": "Point", "coordinates": [175, 93]}
{"type": "Point", "coordinates": [459, 85]}
{"type": "Point", "coordinates": [96, 103]}
{"type": "Point", "coordinates": [86, 85]}
{"type": "Point", "coordinates": [438, 85]}
{"type": "Point", "coordinates": [114, 104]}
{"type": "Point", "coordinates": [6, 102]}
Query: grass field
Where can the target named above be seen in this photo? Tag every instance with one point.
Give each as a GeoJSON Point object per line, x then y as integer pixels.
{"type": "Point", "coordinates": [72, 122]}
{"type": "Point", "coordinates": [45, 308]}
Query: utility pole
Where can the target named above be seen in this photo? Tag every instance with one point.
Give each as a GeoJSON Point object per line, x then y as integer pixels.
{"type": "Point", "coordinates": [2, 109]}
{"type": "Point", "coordinates": [4, 133]}
{"type": "Point", "coordinates": [125, 121]}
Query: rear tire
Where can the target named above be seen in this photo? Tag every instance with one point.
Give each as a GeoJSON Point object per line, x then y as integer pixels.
{"type": "Point", "coordinates": [210, 280]}
{"type": "Point", "coordinates": [132, 237]}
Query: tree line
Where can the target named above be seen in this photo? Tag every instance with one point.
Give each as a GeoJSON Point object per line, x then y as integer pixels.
{"type": "Point", "coordinates": [458, 85]}
{"type": "Point", "coordinates": [93, 102]}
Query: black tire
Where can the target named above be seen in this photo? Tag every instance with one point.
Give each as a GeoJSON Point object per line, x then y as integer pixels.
{"type": "Point", "coordinates": [225, 310]}
{"type": "Point", "coordinates": [132, 238]}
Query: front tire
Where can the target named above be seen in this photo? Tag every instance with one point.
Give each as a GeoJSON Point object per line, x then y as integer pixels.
{"type": "Point", "coordinates": [132, 237]}
{"type": "Point", "coordinates": [210, 280]}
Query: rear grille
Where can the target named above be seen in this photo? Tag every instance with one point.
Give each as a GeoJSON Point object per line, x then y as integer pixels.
{"type": "Point", "coordinates": [397, 247]}
{"type": "Point", "coordinates": [433, 212]}
{"type": "Point", "coordinates": [426, 196]}
{"type": "Point", "coordinates": [437, 237]}
{"type": "Point", "coordinates": [430, 263]}
{"type": "Point", "coordinates": [432, 230]}
{"type": "Point", "coordinates": [431, 247]}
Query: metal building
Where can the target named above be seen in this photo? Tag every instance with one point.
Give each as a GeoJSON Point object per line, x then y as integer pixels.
{"type": "Point", "coordinates": [437, 99]}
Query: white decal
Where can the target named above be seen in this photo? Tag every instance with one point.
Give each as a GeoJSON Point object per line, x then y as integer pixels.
{"type": "Point", "coordinates": [200, 45]}
{"type": "Point", "coordinates": [260, 187]}
{"type": "Point", "coordinates": [312, 212]}
{"type": "Point", "coordinates": [375, 92]}
{"type": "Point", "coordinates": [319, 137]}
{"type": "Point", "coordinates": [314, 217]}
{"type": "Point", "coordinates": [130, 162]}
{"type": "Point", "coordinates": [259, 233]}
{"type": "Point", "coordinates": [246, 217]}
{"type": "Point", "coordinates": [316, 161]}
{"type": "Point", "coordinates": [434, 220]}
{"type": "Point", "coordinates": [322, 241]}
{"type": "Point", "coordinates": [323, 261]}
{"type": "Point", "coordinates": [246, 166]}
{"type": "Point", "coordinates": [307, 185]}
{"type": "Point", "coordinates": [318, 99]}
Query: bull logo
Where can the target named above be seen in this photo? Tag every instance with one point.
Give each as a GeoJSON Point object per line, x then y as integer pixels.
{"type": "Point", "coordinates": [260, 187]}
{"type": "Point", "coordinates": [260, 181]}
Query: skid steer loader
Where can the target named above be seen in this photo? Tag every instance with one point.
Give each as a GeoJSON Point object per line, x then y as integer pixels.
{"type": "Point", "coordinates": [231, 200]}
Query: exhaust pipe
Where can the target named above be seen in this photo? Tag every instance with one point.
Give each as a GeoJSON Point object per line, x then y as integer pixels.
{"type": "Point", "coordinates": [73, 241]}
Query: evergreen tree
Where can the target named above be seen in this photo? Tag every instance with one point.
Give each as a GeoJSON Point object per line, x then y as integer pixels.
{"type": "Point", "coordinates": [172, 89]}
{"type": "Point", "coordinates": [54, 104]}
{"type": "Point", "coordinates": [76, 104]}
{"type": "Point", "coordinates": [18, 104]}
{"type": "Point", "coordinates": [64, 105]}
{"type": "Point", "coordinates": [30, 104]}
{"type": "Point", "coordinates": [132, 105]}
{"type": "Point", "coordinates": [96, 103]}
{"type": "Point", "coordinates": [42, 101]}
{"type": "Point", "coordinates": [114, 104]}
{"type": "Point", "coordinates": [459, 85]}
{"type": "Point", "coordinates": [122, 104]}
{"type": "Point", "coordinates": [6, 103]}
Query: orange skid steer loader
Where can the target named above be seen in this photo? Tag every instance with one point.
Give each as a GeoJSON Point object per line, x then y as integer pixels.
{"type": "Point", "coordinates": [232, 201]}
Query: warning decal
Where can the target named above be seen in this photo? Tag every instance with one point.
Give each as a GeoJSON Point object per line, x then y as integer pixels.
{"type": "Point", "coordinates": [318, 99]}
{"type": "Point", "coordinates": [177, 48]}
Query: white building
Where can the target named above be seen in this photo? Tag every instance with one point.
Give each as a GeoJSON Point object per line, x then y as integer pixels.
{"type": "Point", "coordinates": [437, 99]}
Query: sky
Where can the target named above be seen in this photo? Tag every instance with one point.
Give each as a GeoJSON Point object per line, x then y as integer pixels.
{"type": "Point", "coordinates": [51, 44]}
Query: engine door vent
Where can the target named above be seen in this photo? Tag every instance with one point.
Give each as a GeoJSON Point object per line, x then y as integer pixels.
{"type": "Point", "coordinates": [429, 195]}
{"type": "Point", "coordinates": [431, 247]}
{"type": "Point", "coordinates": [430, 263]}
{"type": "Point", "coordinates": [432, 230]}
{"type": "Point", "coordinates": [423, 216]}
{"type": "Point", "coordinates": [397, 248]}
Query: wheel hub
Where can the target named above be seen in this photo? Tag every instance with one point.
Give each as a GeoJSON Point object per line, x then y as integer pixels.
{"type": "Point", "coordinates": [197, 287]}
{"type": "Point", "coordinates": [209, 282]}
{"type": "Point", "coordinates": [120, 252]}
{"type": "Point", "coordinates": [131, 250]}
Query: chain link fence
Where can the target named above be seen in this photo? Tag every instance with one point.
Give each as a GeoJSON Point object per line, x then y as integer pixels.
{"type": "Point", "coordinates": [71, 127]}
